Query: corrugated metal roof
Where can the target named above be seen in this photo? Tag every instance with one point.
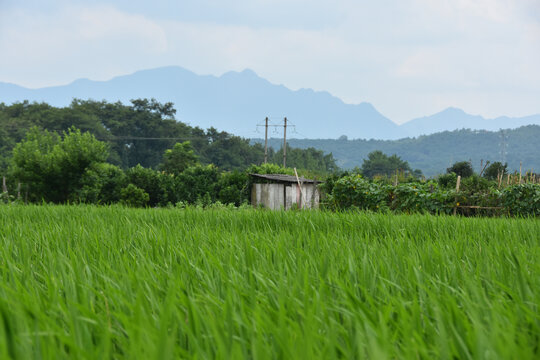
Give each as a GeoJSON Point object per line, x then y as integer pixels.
{"type": "Point", "coordinates": [285, 178]}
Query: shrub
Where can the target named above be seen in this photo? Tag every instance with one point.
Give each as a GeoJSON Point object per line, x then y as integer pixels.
{"type": "Point", "coordinates": [354, 191]}
{"type": "Point", "coordinates": [269, 169]}
{"type": "Point", "coordinates": [197, 183]}
{"type": "Point", "coordinates": [523, 199]}
{"type": "Point", "coordinates": [101, 184]}
{"type": "Point", "coordinates": [151, 181]}
{"type": "Point", "coordinates": [421, 197]}
{"type": "Point", "coordinates": [447, 181]}
{"type": "Point", "coordinates": [233, 188]}
{"type": "Point", "coordinates": [133, 196]}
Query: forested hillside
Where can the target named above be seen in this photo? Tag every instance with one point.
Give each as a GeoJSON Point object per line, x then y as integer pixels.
{"type": "Point", "coordinates": [434, 153]}
{"type": "Point", "coordinates": [141, 132]}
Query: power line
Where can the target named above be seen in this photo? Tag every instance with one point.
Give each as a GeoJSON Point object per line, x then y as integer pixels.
{"type": "Point", "coordinates": [147, 138]}
{"type": "Point", "coordinates": [275, 126]}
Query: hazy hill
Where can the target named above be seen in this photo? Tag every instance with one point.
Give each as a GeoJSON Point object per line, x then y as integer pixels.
{"type": "Point", "coordinates": [453, 118]}
{"type": "Point", "coordinates": [434, 153]}
{"type": "Point", "coordinates": [237, 101]}
{"type": "Point", "coordinates": [234, 102]}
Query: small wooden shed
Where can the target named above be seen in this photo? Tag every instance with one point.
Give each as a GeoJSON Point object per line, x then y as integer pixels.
{"type": "Point", "coordinates": [277, 191]}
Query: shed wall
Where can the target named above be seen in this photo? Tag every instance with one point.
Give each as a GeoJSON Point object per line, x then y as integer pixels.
{"type": "Point", "coordinates": [285, 196]}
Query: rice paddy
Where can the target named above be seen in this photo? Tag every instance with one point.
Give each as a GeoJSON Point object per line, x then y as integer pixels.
{"type": "Point", "coordinates": [111, 282]}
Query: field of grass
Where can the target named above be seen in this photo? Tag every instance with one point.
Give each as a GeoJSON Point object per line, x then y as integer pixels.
{"type": "Point", "coordinates": [110, 282]}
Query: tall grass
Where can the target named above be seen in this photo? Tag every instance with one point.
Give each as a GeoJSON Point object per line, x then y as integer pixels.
{"type": "Point", "coordinates": [109, 282]}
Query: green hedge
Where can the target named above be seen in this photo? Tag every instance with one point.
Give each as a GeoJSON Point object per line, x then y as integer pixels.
{"type": "Point", "coordinates": [356, 192]}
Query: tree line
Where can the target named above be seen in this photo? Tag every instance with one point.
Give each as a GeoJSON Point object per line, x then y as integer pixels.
{"type": "Point", "coordinates": [137, 154]}
{"type": "Point", "coordinates": [140, 132]}
{"type": "Point", "coordinates": [436, 152]}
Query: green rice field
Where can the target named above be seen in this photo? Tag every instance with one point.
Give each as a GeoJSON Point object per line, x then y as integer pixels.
{"type": "Point", "coordinates": [87, 282]}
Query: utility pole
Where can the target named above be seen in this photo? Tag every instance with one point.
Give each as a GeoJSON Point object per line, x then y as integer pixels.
{"type": "Point", "coordinates": [266, 126]}
{"type": "Point", "coordinates": [266, 140]}
{"type": "Point", "coordinates": [285, 142]}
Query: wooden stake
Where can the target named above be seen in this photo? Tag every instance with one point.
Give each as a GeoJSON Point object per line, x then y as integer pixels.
{"type": "Point", "coordinates": [266, 140]}
{"type": "Point", "coordinates": [483, 168]}
{"type": "Point", "coordinates": [285, 142]}
{"type": "Point", "coordinates": [458, 182]}
{"type": "Point", "coordinates": [520, 172]}
{"type": "Point", "coordinates": [302, 198]}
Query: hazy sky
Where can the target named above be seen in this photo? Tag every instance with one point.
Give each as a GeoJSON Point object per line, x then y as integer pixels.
{"type": "Point", "coordinates": [409, 58]}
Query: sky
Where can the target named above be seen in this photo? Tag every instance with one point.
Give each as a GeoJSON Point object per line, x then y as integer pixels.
{"type": "Point", "coordinates": [409, 58]}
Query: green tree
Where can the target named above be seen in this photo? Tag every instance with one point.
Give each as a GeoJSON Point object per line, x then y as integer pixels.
{"type": "Point", "coordinates": [380, 164]}
{"type": "Point", "coordinates": [151, 181]}
{"type": "Point", "coordinates": [51, 166]}
{"type": "Point", "coordinates": [134, 196]}
{"type": "Point", "coordinates": [233, 187]}
{"type": "Point", "coordinates": [179, 158]}
{"type": "Point", "coordinates": [461, 168]}
{"type": "Point", "coordinates": [307, 159]}
{"type": "Point", "coordinates": [197, 183]}
{"type": "Point", "coordinates": [101, 184]}
{"type": "Point", "coordinates": [229, 152]}
{"type": "Point", "coordinates": [495, 169]}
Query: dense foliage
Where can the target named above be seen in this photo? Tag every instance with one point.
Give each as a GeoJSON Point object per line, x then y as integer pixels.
{"type": "Point", "coordinates": [114, 283]}
{"type": "Point", "coordinates": [139, 134]}
{"type": "Point", "coordinates": [435, 197]}
{"type": "Point", "coordinates": [495, 170]}
{"type": "Point", "coordinates": [461, 168]}
{"type": "Point", "coordinates": [380, 164]}
{"type": "Point", "coordinates": [53, 167]}
{"type": "Point", "coordinates": [76, 167]}
{"type": "Point", "coordinates": [434, 153]}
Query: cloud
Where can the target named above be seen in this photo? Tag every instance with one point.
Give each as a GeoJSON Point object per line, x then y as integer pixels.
{"type": "Point", "coordinates": [407, 57]}
{"type": "Point", "coordinates": [52, 49]}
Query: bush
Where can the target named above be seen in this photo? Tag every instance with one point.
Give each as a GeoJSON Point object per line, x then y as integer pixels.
{"type": "Point", "coordinates": [269, 169]}
{"type": "Point", "coordinates": [475, 190]}
{"type": "Point", "coordinates": [151, 181]}
{"type": "Point", "coordinates": [523, 199]}
{"type": "Point", "coordinates": [133, 196]}
{"type": "Point", "coordinates": [330, 181]}
{"type": "Point", "coordinates": [447, 181]}
{"type": "Point", "coordinates": [197, 183]}
{"type": "Point", "coordinates": [101, 184]}
{"type": "Point", "coordinates": [421, 197]}
{"type": "Point", "coordinates": [354, 191]}
{"type": "Point", "coordinates": [233, 188]}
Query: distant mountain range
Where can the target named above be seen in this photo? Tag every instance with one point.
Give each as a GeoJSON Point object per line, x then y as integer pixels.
{"type": "Point", "coordinates": [237, 102]}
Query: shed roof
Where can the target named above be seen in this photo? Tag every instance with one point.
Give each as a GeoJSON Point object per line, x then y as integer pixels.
{"type": "Point", "coordinates": [284, 178]}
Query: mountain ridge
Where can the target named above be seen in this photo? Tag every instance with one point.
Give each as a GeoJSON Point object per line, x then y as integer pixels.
{"type": "Point", "coordinates": [237, 102]}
